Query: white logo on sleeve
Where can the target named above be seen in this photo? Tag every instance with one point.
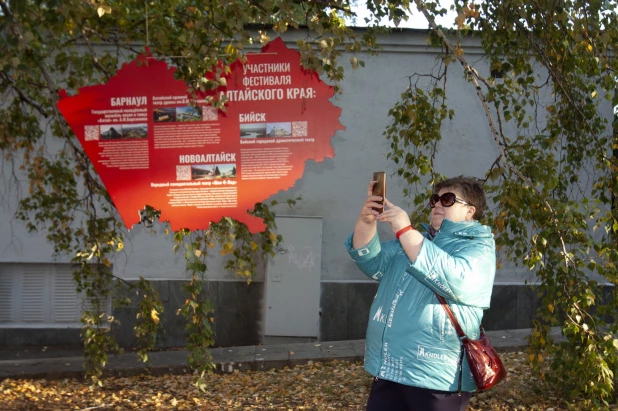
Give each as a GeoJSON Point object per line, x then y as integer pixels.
{"type": "Point", "coordinates": [363, 251]}
{"type": "Point", "coordinates": [379, 316]}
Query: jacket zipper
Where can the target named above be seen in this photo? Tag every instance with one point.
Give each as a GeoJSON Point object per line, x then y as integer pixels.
{"type": "Point", "coordinates": [382, 350]}
{"type": "Point", "coordinates": [460, 371]}
{"type": "Point", "coordinates": [402, 281]}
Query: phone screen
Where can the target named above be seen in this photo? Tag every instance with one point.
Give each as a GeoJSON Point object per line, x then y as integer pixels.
{"type": "Point", "coordinates": [379, 188]}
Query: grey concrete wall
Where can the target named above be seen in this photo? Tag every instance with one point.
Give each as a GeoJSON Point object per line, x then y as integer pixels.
{"type": "Point", "coordinates": [238, 313]}
{"type": "Point", "coordinates": [239, 310]}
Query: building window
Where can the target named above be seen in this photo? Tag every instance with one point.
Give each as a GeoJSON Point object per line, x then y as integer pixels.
{"type": "Point", "coordinates": [40, 295]}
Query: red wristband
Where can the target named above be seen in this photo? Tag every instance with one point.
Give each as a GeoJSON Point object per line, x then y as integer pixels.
{"type": "Point", "coordinates": [403, 230]}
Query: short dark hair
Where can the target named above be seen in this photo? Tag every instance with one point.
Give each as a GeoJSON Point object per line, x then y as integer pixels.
{"type": "Point", "coordinates": [470, 189]}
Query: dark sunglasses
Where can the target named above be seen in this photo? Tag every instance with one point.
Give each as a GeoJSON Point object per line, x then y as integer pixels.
{"type": "Point", "coordinates": [446, 199]}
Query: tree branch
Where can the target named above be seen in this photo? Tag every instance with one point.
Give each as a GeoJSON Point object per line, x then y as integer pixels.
{"type": "Point", "coordinates": [494, 164]}
{"type": "Point", "coordinates": [473, 78]}
{"type": "Point", "coordinates": [5, 9]}
{"type": "Point", "coordinates": [258, 6]}
{"type": "Point", "coordinates": [558, 80]}
{"type": "Point", "coordinates": [23, 97]}
{"type": "Point", "coordinates": [112, 40]}
{"type": "Point", "coordinates": [95, 60]}
{"type": "Point", "coordinates": [78, 154]}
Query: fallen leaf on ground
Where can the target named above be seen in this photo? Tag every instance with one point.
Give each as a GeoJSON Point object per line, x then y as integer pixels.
{"type": "Point", "coordinates": [316, 386]}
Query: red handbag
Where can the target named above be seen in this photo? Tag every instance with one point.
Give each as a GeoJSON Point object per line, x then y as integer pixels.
{"type": "Point", "coordinates": [485, 363]}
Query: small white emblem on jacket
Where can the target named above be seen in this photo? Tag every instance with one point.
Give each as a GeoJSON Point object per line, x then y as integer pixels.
{"type": "Point", "coordinates": [379, 316]}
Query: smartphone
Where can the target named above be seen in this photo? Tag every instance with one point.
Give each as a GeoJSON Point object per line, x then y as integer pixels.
{"type": "Point", "coordinates": [379, 188]}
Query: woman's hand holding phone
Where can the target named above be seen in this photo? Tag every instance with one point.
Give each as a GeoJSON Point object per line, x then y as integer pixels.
{"type": "Point", "coordinates": [374, 204]}
{"type": "Point", "coordinates": [378, 189]}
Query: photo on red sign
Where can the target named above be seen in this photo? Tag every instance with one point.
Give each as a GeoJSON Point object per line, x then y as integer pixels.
{"type": "Point", "coordinates": [253, 130]}
{"type": "Point", "coordinates": [226, 170]}
{"type": "Point", "coordinates": [189, 113]}
{"type": "Point", "coordinates": [212, 171]}
{"type": "Point", "coordinates": [279, 129]}
{"type": "Point", "coordinates": [124, 131]}
{"type": "Point", "coordinates": [164, 115]}
{"type": "Point", "coordinates": [135, 131]}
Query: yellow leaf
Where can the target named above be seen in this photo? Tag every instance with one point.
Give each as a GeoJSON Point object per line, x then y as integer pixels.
{"type": "Point", "coordinates": [101, 11]}
{"type": "Point", "coordinates": [198, 253]}
{"type": "Point", "coordinates": [254, 246]}
{"type": "Point", "coordinates": [354, 62]}
{"type": "Point", "coordinates": [155, 316]}
{"type": "Point", "coordinates": [460, 20]}
{"type": "Point", "coordinates": [272, 237]}
{"type": "Point", "coordinates": [227, 248]}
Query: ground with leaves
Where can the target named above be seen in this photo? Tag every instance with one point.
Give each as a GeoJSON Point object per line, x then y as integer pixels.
{"type": "Point", "coordinates": [315, 386]}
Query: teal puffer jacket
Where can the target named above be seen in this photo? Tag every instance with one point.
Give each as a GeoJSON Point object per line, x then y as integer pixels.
{"type": "Point", "coordinates": [410, 339]}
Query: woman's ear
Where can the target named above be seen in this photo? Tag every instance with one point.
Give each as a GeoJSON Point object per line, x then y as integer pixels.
{"type": "Point", "coordinates": [470, 213]}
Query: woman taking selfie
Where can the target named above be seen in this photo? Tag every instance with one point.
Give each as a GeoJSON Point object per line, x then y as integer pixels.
{"type": "Point", "coordinates": [412, 349]}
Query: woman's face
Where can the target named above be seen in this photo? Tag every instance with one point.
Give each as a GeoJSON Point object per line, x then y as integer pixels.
{"type": "Point", "coordinates": [457, 212]}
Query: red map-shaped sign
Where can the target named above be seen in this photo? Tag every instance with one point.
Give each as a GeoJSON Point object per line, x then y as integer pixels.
{"type": "Point", "coordinates": [152, 145]}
